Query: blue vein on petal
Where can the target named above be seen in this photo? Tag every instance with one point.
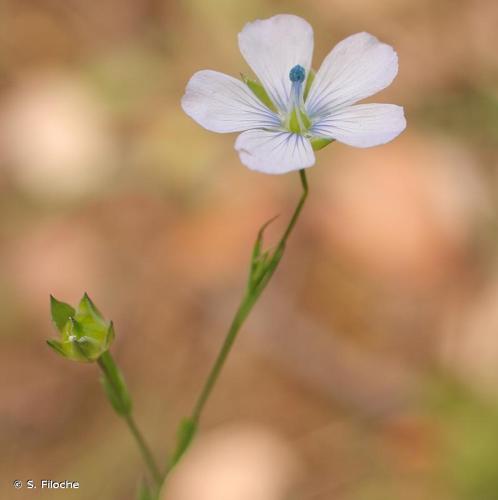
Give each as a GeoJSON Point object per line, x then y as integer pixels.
{"type": "Point", "coordinates": [250, 107]}
{"type": "Point", "coordinates": [283, 140]}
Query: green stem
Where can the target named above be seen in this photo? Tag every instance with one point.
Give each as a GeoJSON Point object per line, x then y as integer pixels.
{"type": "Point", "coordinates": [243, 311]}
{"type": "Point", "coordinates": [120, 400]}
{"type": "Point", "coordinates": [144, 449]}
{"type": "Point", "coordinates": [249, 299]}
{"type": "Point", "coordinates": [299, 207]}
{"type": "Point", "coordinates": [245, 307]}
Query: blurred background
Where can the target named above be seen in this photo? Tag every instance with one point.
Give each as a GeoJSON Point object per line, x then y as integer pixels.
{"type": "Point", "coordinates": [369, 369]}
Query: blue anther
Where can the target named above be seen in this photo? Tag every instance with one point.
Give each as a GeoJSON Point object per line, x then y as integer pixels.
{"type": "Point", "coordinates": [297, 74]}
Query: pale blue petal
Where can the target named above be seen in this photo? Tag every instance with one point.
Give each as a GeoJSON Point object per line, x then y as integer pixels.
{"type": "Point", "coordinates": [362, 125]}
{"type": "Point", "coordinates": [356, 68]}
{"type": "Point", "coordinates": [274, 152]}
{"type": "Point", "coordinates": [272, 47]}
{"type": "Point", "coordinates": [221, 103]}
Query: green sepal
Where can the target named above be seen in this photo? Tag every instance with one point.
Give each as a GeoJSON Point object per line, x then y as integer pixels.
{"type": "Point", "coordinates": [111, 335]}
{"type": "Point", "coordinates": [185, 433]}
{"type": "Point", "coordinates": [81, 347]}
{"type": "Point", "coordinates": [73, 344]}
{"type": "Point", "coordinates": [85, 334]}
{"type": "Point", "coordinates": [86, 308]}
{"type": "Point", "coordinates": [57, 347]}
{"type": "Point", "coordinates": [91, 321]}
{"type": "Point", "coordinates": [309, 81]}
{"type": "Point", "coordinates": [61, 312]}
{"type": "Point", "coordinates": [115, 386]}
{"type": "Point", "coordinates": [259, 91]}
{"type": "Point", "coordinates": [318, 143]}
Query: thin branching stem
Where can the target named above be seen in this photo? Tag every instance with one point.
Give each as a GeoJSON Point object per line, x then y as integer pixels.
{"type": "Point", "coordinates": [251, 296]}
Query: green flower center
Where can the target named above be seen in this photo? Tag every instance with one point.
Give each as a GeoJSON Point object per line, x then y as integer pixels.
{"type": "Point", "coordinates": [298, 121]}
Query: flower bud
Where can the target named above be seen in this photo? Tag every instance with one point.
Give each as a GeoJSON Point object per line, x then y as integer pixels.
{"type": "Point", "coordinates": [85, 334]}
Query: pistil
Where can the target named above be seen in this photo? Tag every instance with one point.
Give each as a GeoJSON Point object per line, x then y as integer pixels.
{"type": "Point", "coordinates": [298, 122]}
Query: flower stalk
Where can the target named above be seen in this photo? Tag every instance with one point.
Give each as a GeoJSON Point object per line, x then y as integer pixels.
{"type": "Point", "coordinates": [120, 400]}
{"type": "Point", "coordinates": [263, 265]}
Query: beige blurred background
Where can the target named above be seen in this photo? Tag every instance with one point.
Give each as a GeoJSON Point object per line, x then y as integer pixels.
{"type": "Point", "coordinates": [368, 371]}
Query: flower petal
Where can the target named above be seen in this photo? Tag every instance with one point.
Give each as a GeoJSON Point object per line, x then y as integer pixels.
{"type": "Point", "coordinates": [363, 125]}
{"type": "Point", "coordinates": [272, 47]}
{"type": "Point", "coordinates": [274, 152]}
{"type": "Point", "coordinates": [357, 67]}
{"type": "Point", "coordinates": [222, 103]}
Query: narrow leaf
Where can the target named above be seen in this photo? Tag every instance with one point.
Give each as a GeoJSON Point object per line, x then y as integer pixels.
{"type": "Point", "coordinates": [113, 396]}
{"type": "Point", "coordinates": [185, 434]}
{"type": "Point", "coordinates": [259, 259]}
{"type": "Point", "coordinates": [259, 239]}
{"type": "Point", "coordinates": [115, 386]}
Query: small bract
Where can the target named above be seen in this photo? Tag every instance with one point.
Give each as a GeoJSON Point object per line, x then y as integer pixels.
{"type": "Point", "coordinates": [291, 111]}
{"type": "Point", "coordinates": [85, 334]}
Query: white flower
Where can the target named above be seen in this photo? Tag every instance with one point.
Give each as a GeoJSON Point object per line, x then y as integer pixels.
{"type": "Point", "coordinates": [283, 120]}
